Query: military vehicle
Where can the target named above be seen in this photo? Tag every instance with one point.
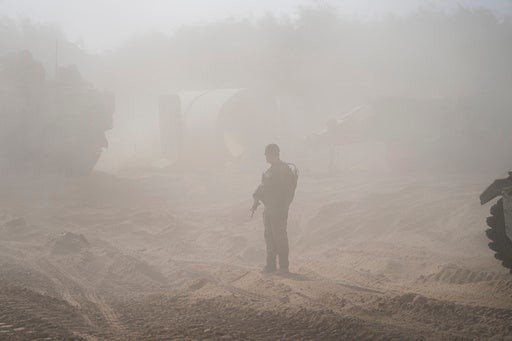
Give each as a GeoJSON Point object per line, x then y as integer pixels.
{"type": "Point", "coordinates": [50, 125]}
{"type": "Point", "coordinates": [425, 134]}
{"type": "Point", "coordinates": [500, 221]}
{"type": "Point", "coordinates": [205, 127]}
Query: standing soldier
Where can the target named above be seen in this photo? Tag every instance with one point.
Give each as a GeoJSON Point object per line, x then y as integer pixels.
{"type": "Point", "coordinates": [276, 192]}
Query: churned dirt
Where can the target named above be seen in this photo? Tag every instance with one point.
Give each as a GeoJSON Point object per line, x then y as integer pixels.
{"type": "Point", "coordinates": [168, 255]}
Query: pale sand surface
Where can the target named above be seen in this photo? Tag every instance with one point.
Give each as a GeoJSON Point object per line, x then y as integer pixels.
{"type": "Point", "coordinates": [163, 255]}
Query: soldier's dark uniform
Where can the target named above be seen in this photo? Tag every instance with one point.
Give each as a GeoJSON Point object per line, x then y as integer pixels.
{"type": "Point", "coordinates": [276, 192]}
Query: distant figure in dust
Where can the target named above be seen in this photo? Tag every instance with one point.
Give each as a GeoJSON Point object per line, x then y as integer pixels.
{"type": "Point", "coordinates": [276, 192]}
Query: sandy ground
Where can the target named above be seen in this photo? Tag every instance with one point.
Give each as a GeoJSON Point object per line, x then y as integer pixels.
{"type": "Point", "coordinates": [162, 255]}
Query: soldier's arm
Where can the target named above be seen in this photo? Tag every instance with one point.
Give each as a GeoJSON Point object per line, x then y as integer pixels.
{"type": "Point", "coordinates": [258, 193]}
{"type": "Point", "coordinates": [257, 196]}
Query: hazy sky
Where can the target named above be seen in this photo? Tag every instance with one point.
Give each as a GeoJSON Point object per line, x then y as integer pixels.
{"type": "Point", "coordinates": [103, 24]}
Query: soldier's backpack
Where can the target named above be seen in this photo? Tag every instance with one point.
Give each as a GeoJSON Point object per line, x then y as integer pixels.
{"type": "Point", "coordinates": [293, 176]}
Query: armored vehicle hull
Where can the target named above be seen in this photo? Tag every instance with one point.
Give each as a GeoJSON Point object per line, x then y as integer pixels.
{"type": "Point", "coordinates": [53, 125]}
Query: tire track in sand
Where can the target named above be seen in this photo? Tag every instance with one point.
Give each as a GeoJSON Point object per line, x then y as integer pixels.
{"type": "Point", "coordinates": [75, 291]}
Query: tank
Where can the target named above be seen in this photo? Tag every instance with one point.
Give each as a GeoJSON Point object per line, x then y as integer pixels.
{"type": "Point", "coordinates": [50, 125]}
{"type": "Point", "coordinates": [500, 220]}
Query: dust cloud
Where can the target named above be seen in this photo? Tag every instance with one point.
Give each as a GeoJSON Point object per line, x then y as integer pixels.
{"type": "Point", "coordinates": [127, 175]}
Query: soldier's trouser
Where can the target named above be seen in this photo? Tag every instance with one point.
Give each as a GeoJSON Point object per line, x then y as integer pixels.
{"type": "Point", "coordinates": [276, 238]}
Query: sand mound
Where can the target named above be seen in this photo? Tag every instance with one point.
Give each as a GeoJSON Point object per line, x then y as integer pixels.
{"type": "Point", "coordinates": [68, 242]}
{"type": "Point", "coordinates": [133, 273]}
{"type": "Point", "coordinates": [370, 258]}
{"type": "Point", "coordinates": [452, 274]}
{"type": "Point", "coordinates": [15, 228]}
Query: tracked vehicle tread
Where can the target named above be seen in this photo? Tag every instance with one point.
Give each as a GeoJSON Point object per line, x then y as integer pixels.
{"type": "Point", "coordinates": [500, 244]}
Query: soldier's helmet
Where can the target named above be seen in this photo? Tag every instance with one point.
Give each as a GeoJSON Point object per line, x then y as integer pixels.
{"type": "Point", "coordinates": [272, 149]}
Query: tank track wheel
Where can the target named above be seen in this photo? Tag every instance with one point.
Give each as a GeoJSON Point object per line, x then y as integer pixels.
{"type": "Point", "coordinates": [500, 244]}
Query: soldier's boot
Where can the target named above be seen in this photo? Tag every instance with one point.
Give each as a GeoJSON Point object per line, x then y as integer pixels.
{"type": "Point", "coordinates": [271, 264]}
{"type": "Point", "coordinates": [268, 269]}
{"type": "Point", "coordinates": [283, 263]}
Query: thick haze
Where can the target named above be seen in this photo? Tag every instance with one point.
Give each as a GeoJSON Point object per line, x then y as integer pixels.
{"type": "Point", "coordinates": [103, 24]}
{"type": "Point", "coordinates": [132, 139]}
{"type": "Point", "coordinates": [436, 74]}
